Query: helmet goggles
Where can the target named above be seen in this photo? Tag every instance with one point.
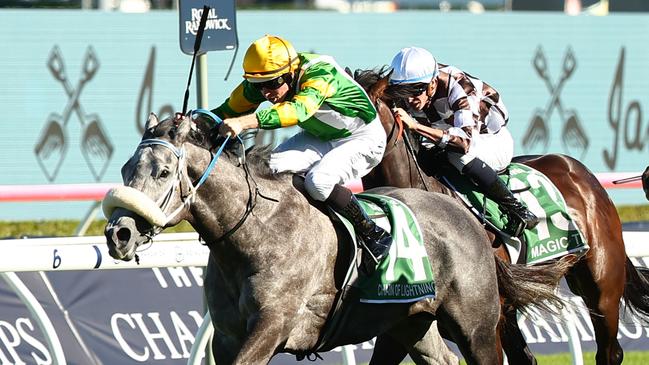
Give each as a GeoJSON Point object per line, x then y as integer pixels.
{"type": "Point", "coordinates": [272, 84]}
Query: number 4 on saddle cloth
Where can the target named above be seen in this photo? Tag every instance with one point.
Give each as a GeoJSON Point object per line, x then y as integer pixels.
{"type": "Point", "coordinates": [405, 274]}
{"type": "Point", "coordinates": [556, 234]}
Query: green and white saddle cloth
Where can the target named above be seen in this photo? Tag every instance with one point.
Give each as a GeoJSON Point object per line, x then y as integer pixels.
{"type": "Point", "coordinates": [405, 275]}
{"type": "Point", "coordinates": [556, 235]}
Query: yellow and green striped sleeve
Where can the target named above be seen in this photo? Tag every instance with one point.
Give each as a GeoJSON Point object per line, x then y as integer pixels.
{"type": "Point", "coordinates": [244, 99]}
{"type": "Point", "coordinates": [313, 92]}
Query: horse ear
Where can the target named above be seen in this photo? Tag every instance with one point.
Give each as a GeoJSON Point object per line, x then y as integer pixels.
{"type": "Point", "coordinates": [151, 122]}
{"type": "Point", "coordinates": [377, 90]}
{"type": "Point", "coordinates": [184, 126]}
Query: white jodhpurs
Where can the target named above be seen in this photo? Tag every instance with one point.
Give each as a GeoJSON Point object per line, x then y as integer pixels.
{"type": "Point", "coordinates": [328, 163]}
{"type": "Point", "coordinates": [496, 150]}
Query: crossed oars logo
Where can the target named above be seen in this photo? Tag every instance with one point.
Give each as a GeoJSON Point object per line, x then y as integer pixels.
{"type": "Point", "coordinates": [52, 145]}
{"type": "Point", "coordinates": [573, 137]}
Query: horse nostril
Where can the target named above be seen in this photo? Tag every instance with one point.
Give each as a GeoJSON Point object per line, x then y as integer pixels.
{"type": "Point", "coordinates": [124, 234]}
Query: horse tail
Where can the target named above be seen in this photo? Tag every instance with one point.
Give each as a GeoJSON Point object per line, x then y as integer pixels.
{"type": "Point", "coordinates": [636, 289]}
{"type": "Point", "coordinates": [523, 286]}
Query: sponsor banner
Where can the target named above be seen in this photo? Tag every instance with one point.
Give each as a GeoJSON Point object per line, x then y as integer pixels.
{"type": "Point", "coordinates": [150, 316]}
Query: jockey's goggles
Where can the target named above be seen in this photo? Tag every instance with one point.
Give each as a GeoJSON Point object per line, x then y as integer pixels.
{"type": "Point", "coordinates": [273, 84]}
{"type": "Point", "coordinates": [418, 89]}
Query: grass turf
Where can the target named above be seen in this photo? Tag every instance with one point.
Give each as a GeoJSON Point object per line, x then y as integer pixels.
{"type": "Point", "coordinates": [67, 227]}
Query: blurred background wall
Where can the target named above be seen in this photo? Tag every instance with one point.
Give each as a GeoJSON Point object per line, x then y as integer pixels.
{"type": "Point", "coordinates": [77, 85]}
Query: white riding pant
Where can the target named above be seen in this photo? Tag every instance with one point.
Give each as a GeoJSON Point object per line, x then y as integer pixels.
{"type": "Point", "coordinates": [328, 163]}
{"type": "Point", "coordinates": [496, 150]}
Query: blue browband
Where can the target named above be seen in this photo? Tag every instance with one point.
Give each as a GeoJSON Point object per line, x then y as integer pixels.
{"type": "Point", "coordinates": [217, 121]}
{"type": "Point", "coordinates": [207, 113]}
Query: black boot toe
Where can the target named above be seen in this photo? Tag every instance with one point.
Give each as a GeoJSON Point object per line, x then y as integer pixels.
{"type": "Point", "coordinates": [531, 221]}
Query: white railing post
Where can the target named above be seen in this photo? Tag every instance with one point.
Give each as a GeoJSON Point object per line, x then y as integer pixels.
{"type": "Point", "coordinates": [574, 343]}
{"type": "Point", "coordinates": [348, 355]}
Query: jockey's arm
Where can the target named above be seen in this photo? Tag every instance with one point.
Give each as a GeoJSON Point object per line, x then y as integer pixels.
{"type": "Point", "coordinates": [237, 111]}
{"type": "Point", "coordinates": [234, 126]}
{"type": "Point", "coordinates": [442, 138]}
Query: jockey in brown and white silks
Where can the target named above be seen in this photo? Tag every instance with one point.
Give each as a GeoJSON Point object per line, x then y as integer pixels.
{"type": "Point", "coordinates": [459, 114]}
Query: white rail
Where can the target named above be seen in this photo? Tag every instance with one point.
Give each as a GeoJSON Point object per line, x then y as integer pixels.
{"type": "Point", "coordinates": [91, 253]}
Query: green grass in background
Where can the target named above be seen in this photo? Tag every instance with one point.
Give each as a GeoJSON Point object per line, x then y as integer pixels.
{"type": "Point", "coordinates": [633, 213]}
{"type": "Point", "coordinates": [630, 358]}
{"type": "Point", "coordinates": [62, 228]}
{"type": "Point", "coordinates": [67, 227]}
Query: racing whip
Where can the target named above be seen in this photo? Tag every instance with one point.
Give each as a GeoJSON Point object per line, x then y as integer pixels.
{"type": "Point", "coordinates": [197, 47]}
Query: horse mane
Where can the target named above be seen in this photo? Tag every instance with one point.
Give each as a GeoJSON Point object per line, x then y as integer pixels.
{"type": "Point", "coordinates": [202, 135]}
{"type": "Point", "coordinates": [374, 81]}
{"type": "Point", "coordinates": [257, 158]}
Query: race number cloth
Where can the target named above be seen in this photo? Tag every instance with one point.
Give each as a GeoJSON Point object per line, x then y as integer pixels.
{"type": "Point", "coordinates": [405, 275]}
{"type": "Point", "coordinates": [556, 234]}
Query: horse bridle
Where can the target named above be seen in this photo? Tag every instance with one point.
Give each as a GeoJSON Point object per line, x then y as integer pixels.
{"type": "Point", "coordinates": [179, 152]}
{"type": "Point", "coordinates": [398, 123]}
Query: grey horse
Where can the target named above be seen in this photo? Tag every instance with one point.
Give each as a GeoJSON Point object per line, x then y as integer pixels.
{"type": "Point", "coordinates": [277, 261]}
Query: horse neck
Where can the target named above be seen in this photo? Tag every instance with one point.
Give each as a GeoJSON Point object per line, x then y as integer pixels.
{"type": "Point", "coordinates": [399, 167]}
{"type": "Point", "coordinates": [221, 203]}
{"type": "Point", "coordinates": [222, 198]}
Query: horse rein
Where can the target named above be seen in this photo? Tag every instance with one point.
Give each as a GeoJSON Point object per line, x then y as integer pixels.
{"type": "Point", "coordinates": [409, 147]}
{"type": "Point", "coordinates": [165, 198]}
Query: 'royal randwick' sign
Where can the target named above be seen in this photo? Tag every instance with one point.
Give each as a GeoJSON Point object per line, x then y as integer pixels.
{"type": "Point", "coordinates": [220, 28]}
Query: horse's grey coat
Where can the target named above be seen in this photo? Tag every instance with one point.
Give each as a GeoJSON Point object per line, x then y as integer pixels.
{"type": "Point", "coordinates": [271, 285]}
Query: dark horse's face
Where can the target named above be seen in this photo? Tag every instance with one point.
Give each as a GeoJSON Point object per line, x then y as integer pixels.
{"type": "Point", "coordinates": [154, 180]}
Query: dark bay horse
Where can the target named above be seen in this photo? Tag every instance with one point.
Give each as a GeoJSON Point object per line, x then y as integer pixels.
{"type": "Point", "coordinates": [277, 261]}
{"type": "Point", "coordinates": [601, 277]}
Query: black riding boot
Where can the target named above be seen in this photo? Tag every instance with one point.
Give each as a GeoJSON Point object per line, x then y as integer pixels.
{"type": "Point", "coordinates": [375, 239]}
{"type": "Point", "coordinates": [489, 183]}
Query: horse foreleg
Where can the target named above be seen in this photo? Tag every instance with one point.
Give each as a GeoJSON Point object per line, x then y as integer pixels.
{"type": "Point", "coordinates": [263, 336]}
{"type": "Point", "coordinates": [387, 351]}
{"type": "Point", "coordinates": [514, 344]}
{"type": "Point", "coordinates": [416, 336]}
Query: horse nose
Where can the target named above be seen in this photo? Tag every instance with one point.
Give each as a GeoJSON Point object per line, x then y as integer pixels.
{"type": "Point", "coordinates": [123, 235]}
{"type": "Point", "coordinates": [118, 238]}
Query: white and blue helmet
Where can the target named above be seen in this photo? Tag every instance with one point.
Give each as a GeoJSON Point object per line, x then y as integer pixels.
{"type": "Point", "coordinates": [413, 65]}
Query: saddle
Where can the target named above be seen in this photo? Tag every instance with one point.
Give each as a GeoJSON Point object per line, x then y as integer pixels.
{"type": "Point", "coordinates": [400, 278]}
{"type": "Point", "coordinates": [555, 236]}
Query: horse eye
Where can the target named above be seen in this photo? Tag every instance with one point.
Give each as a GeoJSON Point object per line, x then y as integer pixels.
{"type": "Point", "coordinates": [164, 173]}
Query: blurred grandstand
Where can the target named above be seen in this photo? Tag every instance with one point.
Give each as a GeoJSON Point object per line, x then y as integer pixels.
{"type": "Point", "coordinates": [572, 7]}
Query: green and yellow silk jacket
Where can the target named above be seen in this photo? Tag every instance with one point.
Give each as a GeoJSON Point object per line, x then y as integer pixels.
{"type": "Point", "coordinates": [328, 103]}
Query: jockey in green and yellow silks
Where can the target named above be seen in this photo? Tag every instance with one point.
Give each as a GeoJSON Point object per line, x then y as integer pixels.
{"type": "Point", "coordinates": [342, 138]}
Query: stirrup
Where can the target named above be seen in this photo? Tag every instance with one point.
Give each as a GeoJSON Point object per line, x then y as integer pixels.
{"type": "Point", "coordinates": [516, 227]}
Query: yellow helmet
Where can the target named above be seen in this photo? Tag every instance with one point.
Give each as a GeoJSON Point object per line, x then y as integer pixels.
{"type": "Point", "coordinates": [269, 57]}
